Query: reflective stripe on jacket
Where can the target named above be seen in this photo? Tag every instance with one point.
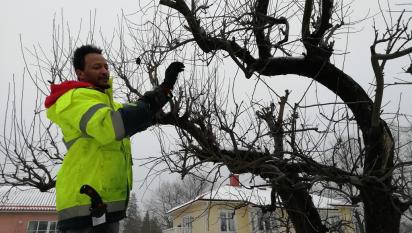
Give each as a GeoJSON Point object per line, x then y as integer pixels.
{"type": "Point", "coordinates": [98, 155]}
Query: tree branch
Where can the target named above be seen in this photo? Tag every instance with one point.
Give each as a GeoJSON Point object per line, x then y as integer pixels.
{"type": "Point", "coordinates": [306, 19]}
{"type": "Point", "coordinates": [324, 24]}
{"type": "Point", "coordinates": [394, 55]}
{"type": "Point", "coordinates": [264, 46]}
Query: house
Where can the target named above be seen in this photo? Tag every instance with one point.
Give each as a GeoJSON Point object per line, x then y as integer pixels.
{"type": "Point", "coordinates": [27, 210]}
{"type": "Point", "coordinates": [233, 209]}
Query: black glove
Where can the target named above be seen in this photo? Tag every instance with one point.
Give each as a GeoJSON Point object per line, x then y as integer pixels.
{"type": "Point", "coordinates": [171, 74]}
{"type": "Point", "coordinates": [136, 117]}
{"type": "Point", "coordinates": [140, 116]}
{"type": "Point", "coordinates": [156, 98]}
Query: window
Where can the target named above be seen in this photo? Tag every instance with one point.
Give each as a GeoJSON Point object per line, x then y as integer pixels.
{"type": "Point", "coordinates": [187, 221]}
{"type": "Point", "coordinates": [227, 221]}
{"type": "Point", "coordinates": [264, 223]}
{"type": "Point", "coordinates": [42, 227]}
{"type": "Point", "coordinates": [331, 218]}
{"type": "Point", "coordinates": [187, 224]}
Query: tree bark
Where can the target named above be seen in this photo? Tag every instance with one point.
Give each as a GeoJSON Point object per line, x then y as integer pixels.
{"type": "Point", "coordinates": [382, 209]}
{"type": "Point", "coordinates": [300, 208]}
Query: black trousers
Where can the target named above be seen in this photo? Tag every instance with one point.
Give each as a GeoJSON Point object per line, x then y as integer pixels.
{"type": "Point", "coordinates": [103, 228]}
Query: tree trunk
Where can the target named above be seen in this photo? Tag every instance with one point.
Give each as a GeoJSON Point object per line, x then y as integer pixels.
{"type": "Point", "coordinates": [300, 208]}
{"type": "Point", "coordinates": [382, 210]}
{"type": "Point", "coordinates": [381, 213]}
{"type": "Point", "coordinates": [381, 207]}
{"type": "Point", "coordinates": [296, 201]}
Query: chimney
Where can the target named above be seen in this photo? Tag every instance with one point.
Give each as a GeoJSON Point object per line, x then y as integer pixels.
{"type": "Point", "coordinates": [234, 180]}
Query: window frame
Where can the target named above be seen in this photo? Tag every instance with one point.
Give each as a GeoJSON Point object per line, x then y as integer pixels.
{"type": "Point", "coordinates": [267, 222]}
{"type": "Point", "coordinates": [187, 227]}
{"type": "Point", "coordinates": [37, 230]}
{"type": "Point", "coordinates": [330, 217]}
{"type": "Point", "coordinates": [227, 212]}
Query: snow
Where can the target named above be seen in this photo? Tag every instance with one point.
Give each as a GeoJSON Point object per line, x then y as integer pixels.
{"type": "Point", "coordinates": [256, 196]}
{"type": "Point", "coordinates": [26, 199]}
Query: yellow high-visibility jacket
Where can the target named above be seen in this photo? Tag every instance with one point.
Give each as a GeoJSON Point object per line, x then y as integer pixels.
{"type": "Point", "coordinates": [98, 154]}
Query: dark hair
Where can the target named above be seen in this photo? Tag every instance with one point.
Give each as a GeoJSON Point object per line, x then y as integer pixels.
{"type": "Point", "coordinates": [81, 52]}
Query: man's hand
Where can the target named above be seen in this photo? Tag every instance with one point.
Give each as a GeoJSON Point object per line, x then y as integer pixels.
{"type": "Point", "coordinates": [156, 98]}
{"type": "Point", "coordinates": [171, 74]}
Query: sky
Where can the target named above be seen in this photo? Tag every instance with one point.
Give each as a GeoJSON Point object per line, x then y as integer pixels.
{"type": "Point", "coordinates": [32, 21]}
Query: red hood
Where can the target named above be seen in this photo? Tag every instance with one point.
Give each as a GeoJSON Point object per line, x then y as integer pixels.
{"type": "Point", "coordinates": [57, 90]}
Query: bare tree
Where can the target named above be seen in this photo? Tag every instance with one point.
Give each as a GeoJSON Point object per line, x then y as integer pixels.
{"type": "Point", "coordinates": [29, 150]}
{"type": "Point", "coordinates": [171, 194]}
{"type": "Point", "coordinates": [256, 37]}
{"type": "Point", "coordinates": [350, 150]}
{"type": "Point", "coordinates": [31, 146]}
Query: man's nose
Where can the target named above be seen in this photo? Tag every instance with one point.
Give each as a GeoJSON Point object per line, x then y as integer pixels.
{"type": "Point", "coordinates": [104, 71]}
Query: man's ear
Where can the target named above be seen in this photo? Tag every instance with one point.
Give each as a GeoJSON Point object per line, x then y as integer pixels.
{"type": "Point", "coordinates": [79, 74]}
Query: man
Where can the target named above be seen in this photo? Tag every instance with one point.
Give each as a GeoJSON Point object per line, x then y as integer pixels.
{"type": "Point", "coordinates": [94, 181]}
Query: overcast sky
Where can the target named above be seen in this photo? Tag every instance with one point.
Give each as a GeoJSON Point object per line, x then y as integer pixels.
{"type": "Point", "coordinates": [32, 20]}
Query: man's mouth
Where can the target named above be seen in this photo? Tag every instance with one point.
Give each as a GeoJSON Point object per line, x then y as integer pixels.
{"type": "Point", "coordinates": [106, 79]}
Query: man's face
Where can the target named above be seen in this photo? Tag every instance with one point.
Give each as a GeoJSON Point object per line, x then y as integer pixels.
{"type": "Point", "coordinates": [96, 71]}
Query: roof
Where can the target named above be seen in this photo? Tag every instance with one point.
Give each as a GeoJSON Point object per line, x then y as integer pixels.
{"type": "Point", "coordinates": [256, 196]}
{"type": "Point", "coordinates": [26, 199]}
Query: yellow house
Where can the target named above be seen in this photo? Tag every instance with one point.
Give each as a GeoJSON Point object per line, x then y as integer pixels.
{"type": "Point", "coordinates": [233, 209]}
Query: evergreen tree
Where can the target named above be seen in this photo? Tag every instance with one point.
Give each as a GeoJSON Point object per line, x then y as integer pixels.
{"type": "Point", "coordinates": [150, 224]}
{"type": "Point", "coordinates": [155, 225]}
{"type": "Point", "coordinates": [146, 228]}
{"type": "Point", "coordinates": [133, 222]}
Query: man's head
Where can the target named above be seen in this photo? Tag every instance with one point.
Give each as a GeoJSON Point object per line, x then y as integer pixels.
{"type": "Point", "coordinates": [90, 66]}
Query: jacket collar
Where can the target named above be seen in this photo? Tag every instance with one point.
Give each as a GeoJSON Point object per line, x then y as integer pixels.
{"type": "Point", "coordinates": [57, 90]}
